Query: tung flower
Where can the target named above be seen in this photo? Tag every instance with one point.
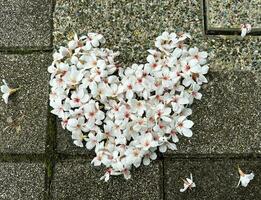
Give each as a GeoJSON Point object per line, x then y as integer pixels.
{"type": "Point", "coordinates": [245, 28]}
{"type": "Point", "coordinates": [244, 178]}
{"type": "Point", "coordinates": [188, 183]}
{"type": "Point", "coordinates": [7, 91]}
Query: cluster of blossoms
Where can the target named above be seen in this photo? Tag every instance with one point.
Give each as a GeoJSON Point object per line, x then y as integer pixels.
{"type": "Point", "coordinates": [126, 114]}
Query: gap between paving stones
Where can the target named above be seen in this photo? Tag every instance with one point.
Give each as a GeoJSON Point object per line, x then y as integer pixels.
{"type": "Point", "coordinates": [22, 51]}
{"type": "Point", "coordinates": [5, 157]}
{"type": "Point", "coordinates": [50, 152]}
{"type": "Point", "coordinates": [222, 31]}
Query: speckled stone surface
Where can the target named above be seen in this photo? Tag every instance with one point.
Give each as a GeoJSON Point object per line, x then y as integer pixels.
{"type": "Point", "coordinates": [77, 180]}
{"type": "Point", "coordinates": [22, 181]}
{"type": "Point", "coordinates": [131, 26]}
{"type": "Point", "coordinates": [214, 179]}
{"type": "Point", "coordinates": [228, 118]}
{"type": "Point", "coordinates": [27, 107]}
{"type": "Point", "coordinates": [232, 13]}
{"type": "Point", "coordinates": [25, 23]}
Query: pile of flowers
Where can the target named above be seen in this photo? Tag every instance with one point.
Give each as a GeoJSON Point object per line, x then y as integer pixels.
{"type": "Point", "coordinates": [126, 114]}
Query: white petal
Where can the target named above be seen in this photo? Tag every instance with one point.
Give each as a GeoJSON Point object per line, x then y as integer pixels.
{"type": "Point", "coordinates": [163, 148]}
{"type": "Point", "coordinates": [146, 161]}
{"type": "Point", "coordinates": [243, 32]}
{"type": "Point", "coordinates": [187, 132]}
{"type": "Point", "coordinates": [184, 189]}
{"type": "Point", "coordinates": [188, 123]}
{"type": "Point", "coordinates": [5, 97]}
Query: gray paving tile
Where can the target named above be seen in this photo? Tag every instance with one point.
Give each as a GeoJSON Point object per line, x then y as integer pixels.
{"type": "Point", "coordinates": [25, 23]}
{"type": "Point", "coordinates": [27, 107]}
{"type": "Point", "coordinates": [76, 179]}
{"type": "Point", "coordinates": [214, 179]}
{"type": "Point", "coordinates": [131, 26]}
{"type": "Point", "coordinates": [20, 181]}
{"type": "Point", "coordinates": [230, 14]}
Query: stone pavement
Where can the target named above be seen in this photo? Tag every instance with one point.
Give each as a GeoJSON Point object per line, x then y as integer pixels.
{"type": "Point", "coordinates": [37, 158]}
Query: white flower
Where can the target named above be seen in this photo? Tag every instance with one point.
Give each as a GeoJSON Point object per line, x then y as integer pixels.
{"type": "Point", "coordinates": [79, 98]}
{"type": "Point", "coordinates": [165, 144]}
{"type": "Point", "coordinates": [188, 183]}
{"type": "Point", "coordinates": [59, 107]}
{"type": "Point", "coordinates": [77, 125]}
{"type": "Point", "coordinates": [61, 54]}
{"type": "Point", "coordinates": [148, 156]}
{"type": "Point", "coordinates": [244, 178]}
{"type": "Point", "coordinates": [7, 91]}
{"type": "Point", "coordinates": [101, 91]}
{"type": "Point", "coordinates": [245, 28]}
{"type": "Point", "coordinates": [138, 106]}
{"type": "Point", "coordinates": [183, 126]}
{"type": "Point", "coordinates": [73, 77]}
{"type": "Point", "coordinates": [93, 140]}
{"type": "Point", "coordinates": [166, 41]}
{"type": "Point", "coordinates": [93, 114]}
{"type": "Point", "coordinates": [79, 138]}
{"type": "Point", "coordinates": [197, 57]}
{"type": "Point", "coordinates": [93, 40]}
{"type": "Point", "coordinates": [162, 112]}
{"type": "Point", "coordinates": [134, 155]}
{"type": "Point", "coordinates": [178, 102]}
{"type": "Point", "coordinates": [147, 141]}
{"type": "Point", "coordinates": [109, 172]}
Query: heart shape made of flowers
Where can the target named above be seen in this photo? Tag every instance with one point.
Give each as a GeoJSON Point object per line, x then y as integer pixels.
{"type": "Point", "coordinates": [126, 114]}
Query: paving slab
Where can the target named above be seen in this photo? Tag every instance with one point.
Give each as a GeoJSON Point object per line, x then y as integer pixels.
{"type": "Point", "coordinates": [20, 181]}
{"type": "Point", "coordinates": [228, 118]}
{"type": "Point", "coordinates": [76, 179]}
{"type": "Point", "coordinates": [131, 26]}
{"type": "Point", "coordinates": [25, 23]}
{"type": "Point", "coordinates": [214, 179]}
{"type": "Point", "coordinates": [23, 121]}
{"type": "Point", "coordinates": [230, 14]}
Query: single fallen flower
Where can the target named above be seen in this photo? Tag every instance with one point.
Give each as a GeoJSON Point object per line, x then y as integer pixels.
{"type": "Point", "coordinates": [188, 183]}
{"type": "Point", "coordinates": [245, 28]}
{"type": "Point", "coordinates": [7, 91]}
{"type": "Point", "coordinates": [244, 178]}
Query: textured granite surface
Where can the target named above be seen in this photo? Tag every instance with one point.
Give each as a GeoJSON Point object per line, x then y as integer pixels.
{"type": "Point", "coordinates": [25, 23]}
{"type": "Point", "coordinates": [22, 181]}
{"type": "Point", "coordinates": [228, 118]}
{"type": "Point", "coordinates": [28, 107]}
{"type": "Point", "coordinates": [232, 13]}
{"type": "Point", "coordinates": [77, 180]}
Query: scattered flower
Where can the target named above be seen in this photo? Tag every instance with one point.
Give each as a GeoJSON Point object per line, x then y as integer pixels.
{"type": "Point", "coordinates": [188, 183]}
{"type": "Point", "coordinates": [126, 114]}
{"type": "Point", "coordinates": [245, 28]}
{"type": "Point", "coordinates": [244, 178]}
{"type": "Point", "coordinates": [7, 91]}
